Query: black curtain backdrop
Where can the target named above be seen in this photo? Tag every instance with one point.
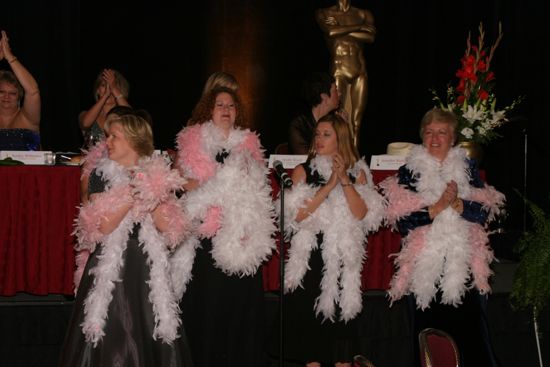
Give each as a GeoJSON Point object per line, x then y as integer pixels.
{"type": "Point", "coordinates": [167, 50]}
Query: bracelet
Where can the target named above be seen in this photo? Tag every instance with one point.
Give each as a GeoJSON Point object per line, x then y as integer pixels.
{"type": "Point", "coordinates": [12, 60]}
{"type": "Point", "coordinates": [348, 184]}
{"type": "Point", "coordinates": [119, 96]}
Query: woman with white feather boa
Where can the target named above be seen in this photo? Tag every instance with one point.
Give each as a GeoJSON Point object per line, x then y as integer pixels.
{"type": "Point", "coordinates": [229, 200]}
{"type": "Point", "coordinates": [441, 207]}
{"type": "Point", "coordinates": [125, 311]}
{"type": "Point", "coordinates": [329, 211]}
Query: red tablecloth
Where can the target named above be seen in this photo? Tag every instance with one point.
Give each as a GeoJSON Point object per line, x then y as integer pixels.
{"type": "Point", "coordinates": [38, 205]}
{"type": "Point", "coordinates": [378, 268]}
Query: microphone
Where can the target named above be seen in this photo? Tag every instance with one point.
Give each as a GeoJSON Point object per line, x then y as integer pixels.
{"type": "Point", "coordinates": [285, 178]}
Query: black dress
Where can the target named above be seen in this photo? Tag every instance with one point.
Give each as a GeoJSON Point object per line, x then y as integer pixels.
{"type": "Point", "coordinates": [130, 321]}
{"type": "Point", "coordinates": [223, 314]}
{"type": "Point", "coordinates": [307, 337]}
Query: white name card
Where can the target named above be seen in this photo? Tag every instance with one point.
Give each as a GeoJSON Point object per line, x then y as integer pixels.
{"type": "Point", "coordinates": [27, 157]}
{"type": "Point", "coordinates": [289, 161]}
{"type": "Point", "coordinates": [386, 162]}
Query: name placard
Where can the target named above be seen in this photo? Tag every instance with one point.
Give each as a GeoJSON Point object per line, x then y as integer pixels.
{"type": "Point", "coordinates": [27, 157]}
{"type": "Point", "coordinates": [386, 162]}
{"type": "Point", "coordinates": [289, 161]}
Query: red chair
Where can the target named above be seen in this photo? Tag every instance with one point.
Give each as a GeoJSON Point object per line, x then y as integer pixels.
{"type": "Point", "coordinates": [361, 361]}
{"type": "Point", "coordinates": [438, 349]}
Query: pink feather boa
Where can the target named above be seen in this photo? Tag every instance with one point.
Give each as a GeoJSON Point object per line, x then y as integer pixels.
{"type": "Point", "coordinates": [412, 246]}
{"type": "Point", "coordinates": [211, 223]}
{"type": "Point", "coordinates": [191, 154]}
{"type": "Point", "coordinates": [402, 201]}
{"type": "Point", "coordinates": [89, 218]}
{"type": "Point", "coordinates": [92, 157]}
{"type": "Point", "coordinates": [178, 223]}
{"type": "Point", "coordinates": [153, 183]}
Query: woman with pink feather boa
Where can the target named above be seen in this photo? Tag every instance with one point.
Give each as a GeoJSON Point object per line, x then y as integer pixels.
{"type": "Point", "coordinates": [126, 312]}
{"type": "Point", "coordinates": [442, 207]}
{"type": "Point", "coordinates": [228, 198]}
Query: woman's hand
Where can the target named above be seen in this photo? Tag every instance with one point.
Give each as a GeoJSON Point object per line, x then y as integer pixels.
{"type": "Point", "coordinates": [5, 48]}
{"type": "Point", "coordinates": [339, 167]}
{"type": "Point", "coordinates": [109, 77]}
{"type": "Point", "coordinates": [448, 198]}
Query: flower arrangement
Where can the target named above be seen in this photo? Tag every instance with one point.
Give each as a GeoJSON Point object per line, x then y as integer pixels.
{"type": "Point", "coordinates": [472, 100]}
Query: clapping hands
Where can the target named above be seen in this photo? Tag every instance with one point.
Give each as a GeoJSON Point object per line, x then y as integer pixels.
{"type": "Point", "coordinates": [5, 50]}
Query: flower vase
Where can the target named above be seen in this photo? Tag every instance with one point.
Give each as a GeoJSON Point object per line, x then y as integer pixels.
{"type": "Point", "coordinates": [473, 149]}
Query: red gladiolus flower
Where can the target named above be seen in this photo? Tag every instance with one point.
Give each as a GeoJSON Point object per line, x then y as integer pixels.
{"type": "Point", "coordinates": [490, 76]}
{"type": "Point", "coordinates": [481, 65]}
{"type": "Point", "coordinates": [483, 95]}
{"type": "Point", "coordinates": [460, 86]}
{"type": "Point", "coordinates": [460, 99]}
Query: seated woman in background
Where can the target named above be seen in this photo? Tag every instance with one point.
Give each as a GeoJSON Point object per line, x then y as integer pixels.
{"type": "Point", "coordinates": [19, 104]}
{"type": "Point", "coordinates": [110, 89]}
{"type": "Point", "coordinates": [125, 312]}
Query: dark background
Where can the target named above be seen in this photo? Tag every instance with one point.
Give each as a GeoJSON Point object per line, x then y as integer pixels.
{"type": "Point", "coordinates": [168, 49]}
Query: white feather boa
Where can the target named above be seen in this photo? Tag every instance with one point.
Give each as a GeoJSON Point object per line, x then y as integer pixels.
{"type": "Point", "coordinates": [110, 261]}
{"type": "Point", "coordinates": [344, 239]}
{"type": "Point", "coordinates": [444, 254]}
{"type": "Point", "coordinates": [238, 189]}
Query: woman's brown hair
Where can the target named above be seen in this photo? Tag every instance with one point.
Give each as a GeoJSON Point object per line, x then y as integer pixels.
{"type": "Point", "coordinates": [203, 110]}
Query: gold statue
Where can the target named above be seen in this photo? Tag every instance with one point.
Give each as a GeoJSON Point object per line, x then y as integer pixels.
{"type": "Point", "coordinates": [346, 28]}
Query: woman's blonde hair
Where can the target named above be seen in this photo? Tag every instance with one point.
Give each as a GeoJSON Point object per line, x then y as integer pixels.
{"type": "Point", "coordinates": [137, 131]}
{"type": "Point", "coordinates": [346, 147]}
{"type": "Point", "coordinates": [220, 79]}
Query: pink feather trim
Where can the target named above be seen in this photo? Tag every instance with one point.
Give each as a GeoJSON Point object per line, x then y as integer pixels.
{"type": "Point", "coordinates": [93, 156]}
{"type": "Point", "coordinates": [489, 197]}
{"type": "Point", "coordinates": [154, 182]}
{"type": "Point", "coordinates": [482, 256]}
{"type": "Point", "coordinates": [400, 200]}
{"type": "Point", "coordinates": [177, 222]}
{"type": "Point", "coordinates": [211, 223]}
{"type": "Point", "coordinates": [91, 214]}
{"type": "Point", "coordinates": [191, 155]}
{"type": "Point", "coordinates": [405, 262]}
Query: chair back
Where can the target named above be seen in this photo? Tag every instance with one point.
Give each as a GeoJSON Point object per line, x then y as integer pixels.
{"type": "Point", "coordinates": [282, 148]}
{"type": "Point", "coordinates": [361, 361]}
{"type": "Point", "coordinates": [438, 349]}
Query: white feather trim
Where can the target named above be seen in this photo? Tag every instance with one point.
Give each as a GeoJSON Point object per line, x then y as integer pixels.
{"type": "Point", "coordinates": [241, 189]}
{"type": "Point", "coordinates": [444, 260]}
{"type": "Point", "coordinates": [343, 247]}
{"type": "Point", "coordinates": [181, 264]}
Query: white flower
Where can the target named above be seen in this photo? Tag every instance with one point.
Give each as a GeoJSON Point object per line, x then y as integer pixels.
{"type": "Point", "coordinates": [481, 130]}
{"type": "Point", "coordinates": [498, 118]}
{"type": "Point", "coordinates": [467, 132]}
{"type": "Point", "coordinates": [472, 114]}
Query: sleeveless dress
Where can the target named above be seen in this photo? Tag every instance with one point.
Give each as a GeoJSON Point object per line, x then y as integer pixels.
{"type": "Point", "coordinates": [93, 135]}
{"type": "Point", "coordinates": [128, 339]}
{"type": "Point", "coordinates": [307, 337]}
{"type": "Point", "coordinates": [19, 139]}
